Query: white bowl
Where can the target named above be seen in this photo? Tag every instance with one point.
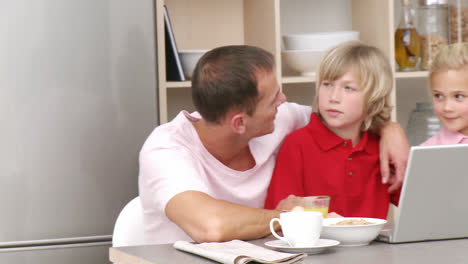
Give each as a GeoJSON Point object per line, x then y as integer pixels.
{"type": "Point", "coordinates": [306, 62]}
{"type": "Point", "coordinates": [189, 59]}
{"type": "Point", "coordinates": [352, 235]}
{"type": "Point", "coordinates": [318, 41]}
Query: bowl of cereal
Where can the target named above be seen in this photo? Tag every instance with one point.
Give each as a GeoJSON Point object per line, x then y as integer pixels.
{"type": "Point", "coordinates": [352, 231]}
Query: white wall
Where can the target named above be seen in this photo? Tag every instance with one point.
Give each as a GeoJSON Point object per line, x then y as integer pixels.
{"type": "Point", "coordinates": [300, 16]}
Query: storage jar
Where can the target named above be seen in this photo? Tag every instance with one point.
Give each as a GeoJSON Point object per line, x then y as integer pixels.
{"type": "Point", "coordinates": [458, 20]}
{"type": "Point", "coordinates": [422, 123]}
{"type": "Point", "coordinates": [432, 18]}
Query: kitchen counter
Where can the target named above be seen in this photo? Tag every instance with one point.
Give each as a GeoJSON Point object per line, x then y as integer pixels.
{"type": "Point", "coordinates": [429, 252]}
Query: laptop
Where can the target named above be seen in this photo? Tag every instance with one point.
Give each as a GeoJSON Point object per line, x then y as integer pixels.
{"type": "Point", "coordinates": [434, 197]}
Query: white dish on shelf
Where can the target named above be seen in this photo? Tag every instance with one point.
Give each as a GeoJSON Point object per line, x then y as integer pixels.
{"type": "Point", "coordinates": [322, 245]}
{"type": "Point", "coordinates": [189, 59]}
{"type": "Point", "coordinates": [352, 235]}
{"type": "Point", "coordinates": [318, 40]}
{"type": "Point", "coordinates": [306, 62]}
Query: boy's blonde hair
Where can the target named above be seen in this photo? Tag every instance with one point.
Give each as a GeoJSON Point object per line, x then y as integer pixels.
{"type": "Point", "coordinates": [376, 79]}
{"type": "Point", "coordinates": [450, 57]}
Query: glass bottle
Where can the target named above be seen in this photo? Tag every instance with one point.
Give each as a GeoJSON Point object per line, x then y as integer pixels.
{"type": "Point", "coordinates": [458, 20]}
{"type": "Point", "coordinates": [407, 43]}
{"type": "Point", "coordinates": [433, 29]}
{"type": "Point", "coordinates": [422, 123]}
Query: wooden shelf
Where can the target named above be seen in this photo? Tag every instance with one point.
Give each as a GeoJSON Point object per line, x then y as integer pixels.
{"type": "Point", "coordinates": [298, 79]}
{"type": "Point", "coordinates": [185, 84]}
{"type": "Point", "coordinates": [206, 24]}
{"type": "Point", "coordinates": [415, 74]}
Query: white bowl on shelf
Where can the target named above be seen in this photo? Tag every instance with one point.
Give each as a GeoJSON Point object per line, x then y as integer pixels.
{"type": "Point", "coordinates": [306, 62]}
{"type": "Point", "coordinates": [352, 235]}
{"type": "Point", "coordinates": [319, 40]}
{"type": "Point", "coordinates": [189, 59]}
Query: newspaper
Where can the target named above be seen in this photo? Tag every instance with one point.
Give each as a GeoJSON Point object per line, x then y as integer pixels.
{"type": "Point", "coordinates": [237, 252]}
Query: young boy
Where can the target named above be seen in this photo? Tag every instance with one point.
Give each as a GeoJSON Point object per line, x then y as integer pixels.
{"type": "Point", "coordinates": [337, 153]}
{"type": "Point", "coordinates": [448, 78]}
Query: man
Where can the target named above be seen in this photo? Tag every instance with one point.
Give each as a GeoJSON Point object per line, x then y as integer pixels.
{"type": "Point", "coordinates": [204, 176]}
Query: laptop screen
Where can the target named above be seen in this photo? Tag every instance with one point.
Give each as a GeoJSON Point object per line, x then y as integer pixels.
{"type": "Point", "coordinates": [434, 199]}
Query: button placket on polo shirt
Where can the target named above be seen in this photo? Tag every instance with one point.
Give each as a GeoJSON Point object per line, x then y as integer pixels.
{"type": "Point", "coordinates": [351, 175]}
{"type": "Point", "coordinates": [349, 165]}
{"type": "Point", "coordinates": [349, 159]}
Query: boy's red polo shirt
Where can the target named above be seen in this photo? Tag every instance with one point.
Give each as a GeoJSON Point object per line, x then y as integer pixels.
{"type": "Point", "coordinates": [315, 161]}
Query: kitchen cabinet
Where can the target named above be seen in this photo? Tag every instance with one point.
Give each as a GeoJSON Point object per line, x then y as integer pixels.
{"type": "Point", "coordinates": [206, 24]}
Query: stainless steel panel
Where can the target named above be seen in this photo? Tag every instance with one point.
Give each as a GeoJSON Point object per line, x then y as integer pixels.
{"type": "Point", "coordinates": [92, 253]}
{"type": "Point", "coordinates": [77, 100]}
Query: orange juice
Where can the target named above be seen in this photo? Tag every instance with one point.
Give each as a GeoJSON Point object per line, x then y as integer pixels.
{"type": "Point", "coordinates": [323, 210]}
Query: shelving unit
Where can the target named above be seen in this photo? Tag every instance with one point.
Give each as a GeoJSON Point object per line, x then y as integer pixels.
{"type": "Point", "coordinates": [206, 24]}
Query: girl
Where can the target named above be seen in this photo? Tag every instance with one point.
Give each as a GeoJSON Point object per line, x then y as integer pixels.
{"type": "Point", "coordinates": [337, 153]}
{"type": "Point", "coordinates": [448, 79]}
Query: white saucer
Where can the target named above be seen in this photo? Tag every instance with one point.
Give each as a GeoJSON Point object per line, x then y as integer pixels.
{"type": "Point", "coordinates": [322, 245]}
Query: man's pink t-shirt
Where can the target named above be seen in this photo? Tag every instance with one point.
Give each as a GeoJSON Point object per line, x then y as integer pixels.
{"type": "Point", "coordinates": [173, 160]}
{"type": "Point", "coordinates": [446, 137]}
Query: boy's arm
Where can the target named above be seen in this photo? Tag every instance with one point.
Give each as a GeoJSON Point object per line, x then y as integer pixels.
{"type": "Point", "coordinates": [394, 151]}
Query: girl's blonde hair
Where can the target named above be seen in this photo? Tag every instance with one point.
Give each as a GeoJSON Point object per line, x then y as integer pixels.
{"type": "Point", "coordinates": [450, 57]}
{"type": "Point", "coordinates": [376, 79]}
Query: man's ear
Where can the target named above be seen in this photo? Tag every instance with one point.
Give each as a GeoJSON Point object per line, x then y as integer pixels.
{"type": "Point", "coordinates": [238, 123]}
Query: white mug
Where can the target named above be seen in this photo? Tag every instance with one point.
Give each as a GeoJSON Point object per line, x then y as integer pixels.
{"type": "Point", "coordinates": [300, 229]}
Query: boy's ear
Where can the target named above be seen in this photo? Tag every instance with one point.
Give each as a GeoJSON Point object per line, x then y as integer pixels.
{"type": "Point", "coordinates": [238, 123]}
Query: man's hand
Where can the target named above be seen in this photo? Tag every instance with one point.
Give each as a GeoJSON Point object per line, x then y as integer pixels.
{"type": "Point", "coordinates": [394, 151]}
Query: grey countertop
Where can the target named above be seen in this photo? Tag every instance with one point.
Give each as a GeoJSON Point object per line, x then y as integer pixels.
{"type": "Point", "coordinates": [429, 252]}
